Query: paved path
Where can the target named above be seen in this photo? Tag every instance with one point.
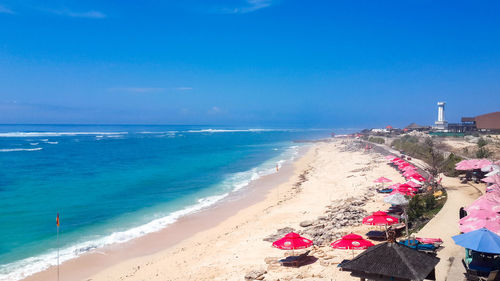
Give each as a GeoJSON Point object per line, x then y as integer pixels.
{"type": "Point", "coordinates": [445, 225]}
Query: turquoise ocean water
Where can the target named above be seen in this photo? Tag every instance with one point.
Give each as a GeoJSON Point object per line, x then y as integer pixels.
{"type": "Point", "coordinates": [111, 184]}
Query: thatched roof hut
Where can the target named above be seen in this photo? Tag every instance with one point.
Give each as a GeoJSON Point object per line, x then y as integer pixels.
{"type": "Point", "coordinates": [392, 261]}
{"type": "Point", "coordinates": [414, 126]}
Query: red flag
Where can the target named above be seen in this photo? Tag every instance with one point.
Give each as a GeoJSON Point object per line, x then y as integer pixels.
{"type": "Point", "coordinates": [57, 220]}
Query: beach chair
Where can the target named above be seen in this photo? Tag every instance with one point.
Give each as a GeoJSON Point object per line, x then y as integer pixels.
{"type": "Point", "coordinates": [376, 235]}
{"type": "Point", "coordinates": [437, 242]}
{"type": "Point", "coordinates": [295, 261]}
{"type": "Point", "coordinates": [415, 244]}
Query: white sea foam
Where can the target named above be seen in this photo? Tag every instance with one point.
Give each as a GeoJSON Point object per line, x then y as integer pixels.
{"type": "Point", "coordinates": [33, 143]}
{"type": "Point", "coordinates": [52, 142]}
{"type": "Point", "coordinates": [26, 267]}
{"type": "Point", "coordinates": [20, 149]}
{"type": "Point", "coordinates": [243, 179]}
{"type": "Point", "coordinates": [159, 133]}
{"type": "Point", "coordinates": [237, 130]}
{"type": "Point", "coordinates": [54, 134]}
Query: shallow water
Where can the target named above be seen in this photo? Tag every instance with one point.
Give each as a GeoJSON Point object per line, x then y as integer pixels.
{"type": "Point", "coordinates": [111, 184]}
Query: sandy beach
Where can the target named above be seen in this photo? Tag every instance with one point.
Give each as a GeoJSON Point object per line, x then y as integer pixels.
{"type": "Point", "coordinates": [231, 244]}
{"type": "Point", "coordinates": [227, 242]}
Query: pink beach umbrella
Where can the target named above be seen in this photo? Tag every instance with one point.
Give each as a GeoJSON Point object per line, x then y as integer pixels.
{"type": "Point", "coordinates": [480, 215]}
{"type": "Point", "coordinates": [464, 165]}
{"type": "Point", "coordinates": [382, 180]}
{"type": "Point", "coordinates": [481, 163]}
{"type": "Point", "coordinates": [490, 168]}
{"type": "Point", "coordinates": [390, 157]}
{"type": "Point", "coordinates": [491, 224]}
{"type": "Point", "coordinates": [495, 179]}
{"type": "Point", "coordinates": [472, 164]}
{"type": "Point", "coordinates": [493, 188]}
{"type": "Point", "coordinates": [488, 202]}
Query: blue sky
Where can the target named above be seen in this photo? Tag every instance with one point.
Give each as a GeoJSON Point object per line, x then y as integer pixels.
{"type": "Point", "coordinates": [249, 62]}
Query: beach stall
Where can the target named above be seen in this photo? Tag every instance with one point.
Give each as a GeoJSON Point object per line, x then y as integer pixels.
{"type": "Point", "coordinates": [392, 261]}
{"type": "Point", "coordinates": [482, 254]}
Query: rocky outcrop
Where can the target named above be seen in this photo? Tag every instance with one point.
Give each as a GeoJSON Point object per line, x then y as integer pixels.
{"type": "Point", "coordinates": [257, 274]}
{"type": "Point", "coordinates": [327, 228]}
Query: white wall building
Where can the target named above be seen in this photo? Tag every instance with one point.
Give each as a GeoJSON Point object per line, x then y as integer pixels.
{"type": "Point", "coordinates": [441, 123]}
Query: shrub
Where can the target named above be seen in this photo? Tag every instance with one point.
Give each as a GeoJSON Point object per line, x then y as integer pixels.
{"type": "Point", "coordinates": [481, 143]}
{"type": "Point", "coordinates": [376, 140]}
{"type": "Point", "coordinates": [483, 152]}
{"type": "Point", "coordinates": [448, 167]}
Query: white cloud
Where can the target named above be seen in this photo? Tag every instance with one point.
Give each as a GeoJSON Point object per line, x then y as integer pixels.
{"type": "Point", "coordinates": [73, 14]}
{"type": "Point", "coordinates": [5, 10]}
{"type": "Point", "coordinates": [214, 110]}
{"type": "Point", "coordinates": [183, 88]}
{"type": "Point", "coordinates": [248, 7]}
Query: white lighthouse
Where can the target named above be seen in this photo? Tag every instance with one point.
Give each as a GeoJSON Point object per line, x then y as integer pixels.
{"type": "Point", "coordinates": [441, 124]}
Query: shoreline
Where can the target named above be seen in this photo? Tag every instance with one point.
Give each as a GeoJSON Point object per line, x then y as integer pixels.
{"type": "Point", "coordinates": [330, 186]}
{"type": "Point", "coordinates": [180, 230]}
{"type": "Point", "coordinates": [326, 174]}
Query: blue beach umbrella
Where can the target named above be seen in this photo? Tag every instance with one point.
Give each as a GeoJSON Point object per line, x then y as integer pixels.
{"type": "Point", "coordinates": [481, 240]}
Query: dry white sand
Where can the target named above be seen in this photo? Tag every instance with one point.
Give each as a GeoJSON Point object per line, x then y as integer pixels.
{"type": "Point", "coordinates": [235, 246]}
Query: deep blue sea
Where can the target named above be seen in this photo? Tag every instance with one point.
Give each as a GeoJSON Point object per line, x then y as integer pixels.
{"type": "Point", "coordinates": [111, 184]}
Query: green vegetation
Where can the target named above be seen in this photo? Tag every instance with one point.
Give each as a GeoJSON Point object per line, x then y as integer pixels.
{"type": "Point", "coordinates": [481, 143]}
{"type": "Point", "coordinates": [423, 207]}
{"type": "Point", "coordinates": [376, 140]}
{"type": "Point", "coordinates": [448, 166]}
{"type": "Point", "coordinates": [425, 151]}
{"type": "Point", "coordinates": [482, 151]}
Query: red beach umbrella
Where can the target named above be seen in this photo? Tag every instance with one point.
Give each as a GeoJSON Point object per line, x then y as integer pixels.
{"type": "Point", "coordinates": [380, 218]}
{"type": "Point", "coordinates": [292, 241]}
{"type": "Point", "coordinates": [409, 168]}
{"type": "Point", "coordinates": [402, 165]}
{"type": "Point", "coordinates": [404, 192]}
{"type": "Point", "coordinates": [413, 184]}
{"type": "Point", "coordinates": [418, 177]}
{"type": "Point", "coordinates": [405, 187]}
{"type": "Point", "coordinates": [352, 242]}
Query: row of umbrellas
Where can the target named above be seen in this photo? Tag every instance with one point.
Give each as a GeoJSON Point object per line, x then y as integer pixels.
{"type": "Point", "coordinates": [483, 213]}
{"type": "Point", "coordinates": [293, 241]}
{"type": "Point", "coordinates": [481, 226]}
{"type": "Point", "coordinates": [474, 164]}
{"type": "Point", "coordinates": [409, 171]}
